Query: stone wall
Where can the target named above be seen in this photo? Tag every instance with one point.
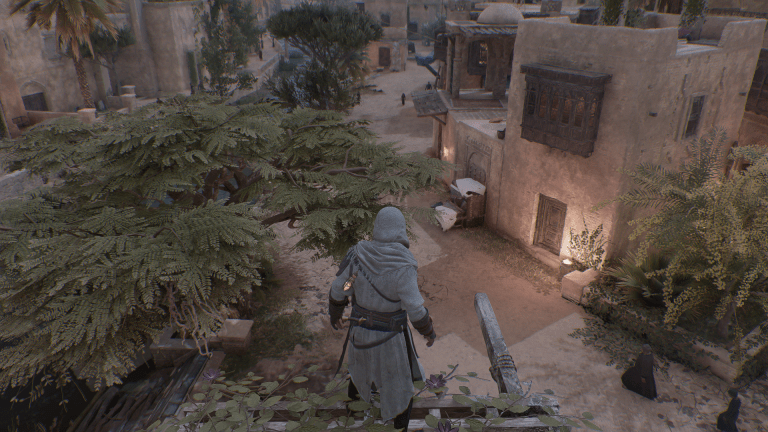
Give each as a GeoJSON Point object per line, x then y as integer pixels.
{"type": "Point", "coordinates": [37, 66]}
{"type": "Point", "coordinates": [171, 33]}
{"type": "Point", "coordinates": [644, 112]}
{"type": "Point", "coordinates": [398, 52]}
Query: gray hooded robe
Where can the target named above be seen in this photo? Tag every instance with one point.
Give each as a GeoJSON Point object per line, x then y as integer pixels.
{"type": "Point", "coordinates": [388, 263]}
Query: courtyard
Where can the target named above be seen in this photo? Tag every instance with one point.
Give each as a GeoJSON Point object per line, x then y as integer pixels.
{"type": "Point", "coordinates": [535, 320]}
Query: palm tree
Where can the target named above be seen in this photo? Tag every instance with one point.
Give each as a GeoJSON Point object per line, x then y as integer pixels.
{"type": "Point", "coordinates": [73, 21]}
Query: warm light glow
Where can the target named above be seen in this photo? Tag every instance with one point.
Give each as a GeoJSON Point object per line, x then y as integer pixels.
{"type": "Point", "coordinates": [567, 261]}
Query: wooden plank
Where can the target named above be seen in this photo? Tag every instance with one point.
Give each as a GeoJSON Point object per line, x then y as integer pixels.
{"type": "Point", "coordinates": [518, 423]}
{"type": "Point", "coordinates": [423, 404]}
{"type": "Point", "coordinates": [503, 368]}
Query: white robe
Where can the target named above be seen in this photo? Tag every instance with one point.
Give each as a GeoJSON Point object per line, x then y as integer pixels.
{"type": "Point", "coordinates": [392, 268]}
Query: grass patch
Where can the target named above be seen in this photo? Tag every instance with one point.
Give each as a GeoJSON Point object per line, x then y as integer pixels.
{"type": "Point", "coordinates": [274, 335]}
{"type": "Point", "coordinates": [512, 254]}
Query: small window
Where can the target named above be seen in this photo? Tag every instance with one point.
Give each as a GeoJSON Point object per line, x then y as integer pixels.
{"type": "Point", "coordinates": [360, 6]}
{"type": "Point", "coordinates": [695, 115]}
{"type": "Point", "coordinates": [50, 47]}
{"type": "Point", "coordinates": [478, 58]}
{"type": "Point", "coordinates": [385, 20]}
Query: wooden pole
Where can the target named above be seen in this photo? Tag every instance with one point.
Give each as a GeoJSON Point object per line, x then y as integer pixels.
{"type": "Point", "coordinates": [503, 368]}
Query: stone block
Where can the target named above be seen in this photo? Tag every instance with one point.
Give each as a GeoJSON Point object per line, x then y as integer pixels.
{"type": "Point", "coordinates": [573, 284]}
{"type": "Point", "coordinates": [235, 335]}
{"type": "Point", "coordinates": [168, 349]}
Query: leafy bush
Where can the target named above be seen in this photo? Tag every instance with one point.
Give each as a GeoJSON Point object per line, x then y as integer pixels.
{"type": "Point", "coordinates": [634, 18]}
{"type": "Point", "coordinates": [586, 248]}
{"type": "Point", "coordinates": [620, 328]}
{"type": "Point", "coordinates": [249, 404]}
{"type": "Point", "coordinates": [644, 280]}
{"type": "Point", "coordinates": [612, 10]}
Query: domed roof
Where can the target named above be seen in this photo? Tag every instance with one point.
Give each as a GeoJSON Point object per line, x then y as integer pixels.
{"type": "Point", "coordinates": [500, 13]}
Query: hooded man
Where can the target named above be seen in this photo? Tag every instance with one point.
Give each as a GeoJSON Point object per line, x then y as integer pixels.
{"type": "Point", "coordinates": [380, 278]}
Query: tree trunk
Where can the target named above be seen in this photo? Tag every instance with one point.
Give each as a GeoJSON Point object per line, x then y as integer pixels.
{"type": "Point", "coordinates": [82, 79]}
{"type": "Point", "coordinates": [725, 321]}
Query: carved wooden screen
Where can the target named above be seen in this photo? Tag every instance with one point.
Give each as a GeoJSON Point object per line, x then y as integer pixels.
{"type": "Point", "coordinates": [562, 107]}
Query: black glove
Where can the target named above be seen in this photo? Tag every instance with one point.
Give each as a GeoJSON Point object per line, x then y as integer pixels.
{"type": "Point", "coordinates": [336, 310]}
{"type": "Point", "coordinates": [424, 327]}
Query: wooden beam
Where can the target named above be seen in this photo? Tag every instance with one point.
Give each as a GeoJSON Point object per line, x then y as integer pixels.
{"type": "Point", "coordinates": [503, 368]}
{"type": "Point", "coordinates": [518, 423]}
{"type": "Point", "coordinates": [438, 119]}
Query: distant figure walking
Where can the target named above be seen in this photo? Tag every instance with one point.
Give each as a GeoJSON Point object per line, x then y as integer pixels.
{"type": "Point", "coordinates": [726, 421]}
{"type": "Point", "coordinates": [429, 86]}
{"type": "Point", "coordinates": [402, 99]}
{"type": "Point", "coordinates": [639, 378]}
{"type": "Point", "coordinates": [261, 55]}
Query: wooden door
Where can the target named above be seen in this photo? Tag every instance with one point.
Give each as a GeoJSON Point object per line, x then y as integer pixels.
{"type": "Point", "coordinates": [35, 102]}
{"type": "Point", "coordinates": [550, 222]}
{"type": "Point", "coordinates": [384, 58]}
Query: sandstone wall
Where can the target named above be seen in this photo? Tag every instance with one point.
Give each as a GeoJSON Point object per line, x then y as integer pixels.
{"type": "Point", "coordinates": [644, 113]}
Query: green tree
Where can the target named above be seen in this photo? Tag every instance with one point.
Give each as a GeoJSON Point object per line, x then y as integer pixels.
{"type": "Point", "coordinates": [713, 228]}
{"type": "Point", "coordinates": [230, 32]}
{"type": "Point", "coordinates": [73, 22]}
{"type": "Point", "coordinates": [163, 218]}
{"type": "Point", "coordinates": [334, 36]}
{"type": "Point", "coordinates": [106, 49]}
{"type": "Point", "coordinates": [313, 86]}
{"type": "Point", "coordinates": [692, 10]}
{"type": "Point", "coordinates": [612, 11]}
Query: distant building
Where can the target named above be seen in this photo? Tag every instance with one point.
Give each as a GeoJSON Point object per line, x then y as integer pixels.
{"type": "Point", "coordinates": [582, 102]}
{"type": "Point", "coordinates": [37, 77]}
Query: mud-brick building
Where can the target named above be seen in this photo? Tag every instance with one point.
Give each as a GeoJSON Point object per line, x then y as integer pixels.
{"type": "Point", "coordinates": [36, 77]}
{"type": "Point", "coordinates": [391, 51]}
{"type": "Point", "coordinates": [582, 102]}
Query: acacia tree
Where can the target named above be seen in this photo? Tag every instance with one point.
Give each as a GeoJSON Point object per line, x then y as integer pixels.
{"type": "Point", "coordinates": [164, 217]}
{"type": "Point", "coordinates": [73, 22]}
{"type": "Point", "coordinates": [230, 32]}
{"type": "Point", "coordinates": [331, 35]}
{"type": "Point", "coordinates": [713, 228]}
{"type": "Point", "coordinates": [335, 38]}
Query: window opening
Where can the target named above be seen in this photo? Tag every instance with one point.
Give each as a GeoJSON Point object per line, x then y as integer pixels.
{"type": "Point", "coordinates": [695, 115]}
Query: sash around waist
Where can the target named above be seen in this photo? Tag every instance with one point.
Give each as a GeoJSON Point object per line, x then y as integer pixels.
{"type": "Point", "coordinates": [380, 321]}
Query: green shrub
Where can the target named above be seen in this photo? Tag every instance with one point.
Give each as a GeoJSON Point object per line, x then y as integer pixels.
{"type": "Point", "coordinates": [586, 248]}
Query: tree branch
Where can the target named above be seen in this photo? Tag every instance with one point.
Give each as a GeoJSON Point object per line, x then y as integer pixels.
{"type": "Point", "coordinates": [284, 216]}
{"type": "Point", "coordinates": [348, 171]}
